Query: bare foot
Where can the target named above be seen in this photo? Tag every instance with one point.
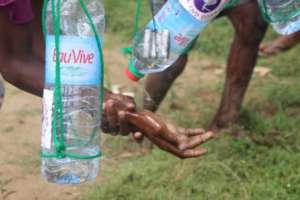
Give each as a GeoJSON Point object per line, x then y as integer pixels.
{"type": "Point", "coordinates": [222, 121]}
{"type": "Point", "coordinates": [280, 44]}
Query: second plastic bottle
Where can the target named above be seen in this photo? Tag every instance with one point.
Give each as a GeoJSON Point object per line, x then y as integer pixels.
{"type": "Point", "coordinates": [170, 34]}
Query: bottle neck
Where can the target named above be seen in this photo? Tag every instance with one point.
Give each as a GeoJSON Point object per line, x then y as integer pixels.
{"type": "Point", "coordinates": [132, 71]}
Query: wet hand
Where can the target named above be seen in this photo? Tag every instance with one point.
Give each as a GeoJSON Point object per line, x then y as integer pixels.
{"type": "Point", "coordinates": [178, 141]}
{"type": "Point", "coordinates": [112, 123]}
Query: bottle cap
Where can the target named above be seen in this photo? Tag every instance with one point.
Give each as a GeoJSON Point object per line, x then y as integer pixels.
{"type": "Point", "coordinates": [132, 72]}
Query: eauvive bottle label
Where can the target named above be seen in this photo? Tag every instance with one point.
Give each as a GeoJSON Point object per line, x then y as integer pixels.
{"type": "Point", "coordinates": [79, 60]}
{"type": "Point", "coordinates": [183, 27]}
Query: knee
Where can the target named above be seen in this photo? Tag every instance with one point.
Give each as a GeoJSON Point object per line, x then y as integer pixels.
{"type": "Point", "coordinates": [251, 31]}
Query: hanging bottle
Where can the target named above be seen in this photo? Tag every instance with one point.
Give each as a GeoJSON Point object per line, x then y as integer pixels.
{"type": "Point", "coordinates": [71, 149]}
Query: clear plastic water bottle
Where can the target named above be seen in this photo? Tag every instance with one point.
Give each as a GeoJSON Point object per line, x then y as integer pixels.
{"type": "Point", "coordinates": [80, 77]}
{"type": "Point", "coordinates": [283, 14]}
{"type": "Point", "coordinates": [169, 34]}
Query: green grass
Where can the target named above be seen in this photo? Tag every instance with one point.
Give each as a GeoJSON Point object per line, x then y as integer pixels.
{"type": "Point", "coordinates": [262, 165]}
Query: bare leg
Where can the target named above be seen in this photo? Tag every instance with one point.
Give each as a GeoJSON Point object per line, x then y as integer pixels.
{"type": "Point", "coordinates": [280, 44]}
{"type": "Point", "coordinates": [157, 85]}
{"type": "Point", "coordinates": [249, 31]}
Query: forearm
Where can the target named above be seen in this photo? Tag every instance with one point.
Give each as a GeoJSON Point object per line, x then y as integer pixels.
{"type": "Point", "coordinates": [28, 75]}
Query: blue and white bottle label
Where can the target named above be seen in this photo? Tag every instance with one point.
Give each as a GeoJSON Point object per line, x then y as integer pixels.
{"type": "Point", "coordinates": [204, 10]}
{"type": "Point", "coordinates": [182, 25]}
{"type": "Point", "coordinates": [79, 60]}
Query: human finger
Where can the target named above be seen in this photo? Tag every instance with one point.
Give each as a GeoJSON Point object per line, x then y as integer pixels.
{"type": "Point", "coordinates": [196, 140]}
{"type": "Point", "coordinates": [124, 125]}
{"type": "Point", "coordinates": [111, 116]}
{"type": "Point", "coordinates": [191, 131]}
{"type": "Point", "coordinates": [189, 153]}
{"type": "Point", "coordinates": [138, 137]}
